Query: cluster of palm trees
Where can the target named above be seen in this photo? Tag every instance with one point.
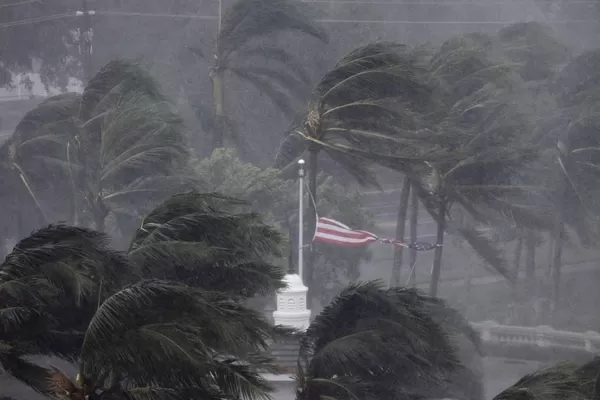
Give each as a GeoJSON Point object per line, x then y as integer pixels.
{"type": "Point", "coordinates": [485, 130]}
{"type": "Point", "coordinates": [168, 317]}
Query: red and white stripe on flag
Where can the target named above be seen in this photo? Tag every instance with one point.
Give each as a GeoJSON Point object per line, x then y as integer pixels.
{"type": "Point", "coordinates": [334, 232]}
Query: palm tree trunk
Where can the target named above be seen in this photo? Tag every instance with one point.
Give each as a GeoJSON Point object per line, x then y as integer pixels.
{"type": "Point", "coordinates": [437, 256]}
{"type": "Point", "coordinates": [530, 287]}
{"type": "Point", "coordinates": [219, 107]}
{"type": "Point", "coordinates": [400, 228]}
{"type": "Point", "coordinates": [31, 193]}
{"type": "Point", "coordinates": [558, 239]}
{"type": "Point", "coordinates": [313, 165]}
{"type": "Point", "coordinates": [517, 288]}
{"type": "Point", "coordinates": [559, 228]}
{"type": "Point", "coordinates": [414, 215]}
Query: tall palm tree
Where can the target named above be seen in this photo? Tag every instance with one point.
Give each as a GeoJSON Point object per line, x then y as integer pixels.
{"type": "Point", "coordinates": [372, 342]}
{"type": "Point", "coordinates": [117, 144]}
{"type": "Point", "coordinates": [575, 157]}
{"type": "Point", "coordinates": [237, 49]}
{"type": "Point", "coordinates": [365, 109]}
{"type": "Point", "coordinates": [478, 123]}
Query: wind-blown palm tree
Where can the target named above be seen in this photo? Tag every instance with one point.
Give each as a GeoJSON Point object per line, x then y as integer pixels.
{"type": "Point", "coordinates": [373, 343]}
{"type": "Point", "coordinates": [478, 123]}
{"type": "Point", "coordinates": [364, 110]}
{"type": "Point", "coordinates": [117, 144]}
{"type": "Point", "coordinates": [59, 295]}
{"type": "Point", "coordinates": [159, 339]}
{"type": "Point", "coordinates": [237, 49]}
{"type": "Point", "coordinates": [50, 286]}
{"type": "Point", "coordinates": [570, 380]}
{"type": "Point", "coordinates": [209, 241]}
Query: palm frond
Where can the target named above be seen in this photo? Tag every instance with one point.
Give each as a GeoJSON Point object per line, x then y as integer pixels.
{"type": "Point", "coordinates": [251, 19]}
{"type": "Point", "coordinates": [204, 242]}
{"type": "Point", "coordinates": [485, 249]}
{"type": "Point", "coordinates": [272, 53]}
{"type": "Point", "coordinates": [47, 252]}
{"type": "Point", "coordinates": [185, 327]}
{"type": "Point", "coordinates": [374, 333]}
{"type": "Point", "coordinates": [556, 382]}
{"type": "Point", "coordinates": [127, 75]}
{"type": "Point", "coordinates": [264, 85]}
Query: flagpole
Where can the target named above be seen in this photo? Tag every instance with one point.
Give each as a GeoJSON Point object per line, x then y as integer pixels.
{"type": "Point", "coordinates": [301, 219]}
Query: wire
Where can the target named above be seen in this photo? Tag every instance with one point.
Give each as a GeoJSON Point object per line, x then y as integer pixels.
{"type": "Point", "coordinates": [139, 14]}
{"type": "Point", "coordinates": [35, 20]}
{"type": "Point", "coordinates": [347, 21]}
{"type": "Point", "coordinates": [19, 3]}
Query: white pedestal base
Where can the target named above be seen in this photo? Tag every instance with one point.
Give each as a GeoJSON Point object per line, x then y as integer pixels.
{"type": "Point", "coordinates": [291, 304]}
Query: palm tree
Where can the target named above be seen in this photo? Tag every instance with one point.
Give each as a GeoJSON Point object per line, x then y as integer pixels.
{"type": "Point", "coordinates": [209, 241]}
{"type": "Point", "coordinates": [478, 124]}
{"type": "Point", "coordinates": [50, 286]}
{"type": "Point", "coordinates": [564, 380]}
{"type": "Point", "coordinates": [117, 144]}
{"type": "Point", "coordinates": [236, 52]}
{"type": "Point", "coordinates": [372, 342]}
{"type": "Point", "coordinates": [158, 339]}
{"type": "Point", "coordinates": [364, 110]}
{"type": "Point", "coordinates": [575, 157]}
{"type": "Point", "coordinates": [61, 293]}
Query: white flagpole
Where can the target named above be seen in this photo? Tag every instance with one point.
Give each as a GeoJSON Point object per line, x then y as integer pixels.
{"type": "Point", "coordinates": [301, 219]}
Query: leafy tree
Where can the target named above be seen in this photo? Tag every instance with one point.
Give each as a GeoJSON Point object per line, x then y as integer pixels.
{"type": "Point", "coordinates": [372, 342]}
{"type": "Point", "coordinates": [116, 147]}
{"type": "Point", "coordinates": [237, 50]}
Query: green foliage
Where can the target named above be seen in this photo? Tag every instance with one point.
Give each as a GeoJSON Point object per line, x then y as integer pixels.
{"type": "Point", "coordinates": [209, 241]}
{"type": "Point", "coordinates": [564, 380]}
{"type": "Point", "coordinates": [65, 292]}
{"type": "Point", "coordinates": [372, 342]}
{"type": "Point", "coordinates": [50, 286]}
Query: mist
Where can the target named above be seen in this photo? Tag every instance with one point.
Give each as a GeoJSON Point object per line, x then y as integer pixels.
{"type": "Point", "coordinates": [223, 128]}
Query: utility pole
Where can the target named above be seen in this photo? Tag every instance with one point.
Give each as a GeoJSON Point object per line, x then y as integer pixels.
{"type": "Point", "coordinates": [86, 34]}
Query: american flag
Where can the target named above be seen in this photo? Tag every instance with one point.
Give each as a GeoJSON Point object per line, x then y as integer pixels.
{"type": "Point", "coordinates": [334, 232]}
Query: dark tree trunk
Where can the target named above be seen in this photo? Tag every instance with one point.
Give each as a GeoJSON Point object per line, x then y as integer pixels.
{"type": "Point", "coordinates": [311, 222]}
{"type": "Point", "coordinates": [437, 257]}
{"type": "Point", "coordinates": [559, 227]}
{"type": "Point", "coordinates": [400, 228]}
{"type": "Point", "coordinates": [414, 216]}
{"type": "Point", "coordinates": [219, 108]}
{"type": "Point", "coordinates": [517, 287]}
{"type": "Point", "coordinates": [530, 286]}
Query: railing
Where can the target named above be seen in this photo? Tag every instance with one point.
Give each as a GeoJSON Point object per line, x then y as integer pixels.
{"type": "Point", "coordinates": [539, 336]}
